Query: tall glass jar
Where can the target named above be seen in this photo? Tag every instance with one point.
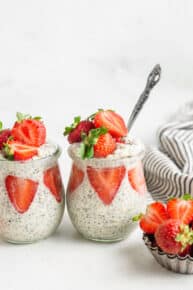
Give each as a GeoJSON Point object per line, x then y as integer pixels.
{"type": "Point", "coordinates": [103, 195]}
{"type": "Point", "coordinates": [31, 199]}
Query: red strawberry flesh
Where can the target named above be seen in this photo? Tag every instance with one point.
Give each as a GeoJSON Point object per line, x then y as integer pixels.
{"type": "Point", "coordinates": [106, 181]}
{"type": "Point", "coordinates": [21, 192]}
{"type": "Point", "coordinates": [181, 209]}
{"type": "Point", "coordinates": [105, 145]}
{"type": "Point", "coordinates": [167, 234]}
{"type": "Point", "coordinates": [52, 180]}
{"type": "Point", "coordinates": [155, 215]}
{"type": "Point", "coordinates": [112, 121]}
{"type": "Point", "coordinates": [76, 178]}
{"type": "Point", "coordinates": [30, 132]}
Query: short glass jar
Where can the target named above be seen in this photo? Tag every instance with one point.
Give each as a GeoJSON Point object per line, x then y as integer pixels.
{"type": "Point", "coordinates": [103, 195]}
{"type": "Point", "coordinates": [31, 198]}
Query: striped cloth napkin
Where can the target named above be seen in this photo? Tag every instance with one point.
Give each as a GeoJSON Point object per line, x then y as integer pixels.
{"type": "Point", "coordinates": [169, 169]}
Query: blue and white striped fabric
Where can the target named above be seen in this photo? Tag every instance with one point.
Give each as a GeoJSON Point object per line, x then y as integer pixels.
{"type": "Point", "coordinates": [169, 169]}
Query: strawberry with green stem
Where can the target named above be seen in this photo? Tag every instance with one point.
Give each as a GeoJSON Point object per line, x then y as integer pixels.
{"type": "Point", "coordinates": [29, 130]}
{"type": "Point", "coordinates": [77, 128]}
{"type": "Point", "coordinates": [174, 237]}
{"type": "Point", "coordinates": [4, 135]}
{"type": "Point", "coordinates": [98, 143]}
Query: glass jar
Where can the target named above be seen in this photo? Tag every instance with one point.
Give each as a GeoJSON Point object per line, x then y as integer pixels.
{"type": "Point", "coordinates": [103, 195]}
{"type": "Point", "coordinates": [31, 198]}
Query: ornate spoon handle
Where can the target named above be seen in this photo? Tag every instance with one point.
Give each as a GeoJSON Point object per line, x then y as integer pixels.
{"type": "Point", "coordinates": [152, 80]}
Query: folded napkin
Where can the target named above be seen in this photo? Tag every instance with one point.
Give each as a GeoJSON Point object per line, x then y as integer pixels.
{"type": "Point", "coordinates": [169, 169]}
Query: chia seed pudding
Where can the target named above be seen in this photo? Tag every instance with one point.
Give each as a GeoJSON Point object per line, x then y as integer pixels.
{"type": "Point", "coordinates": [107, 219]}
{"type": "Point", "coordinates": [45, 207]}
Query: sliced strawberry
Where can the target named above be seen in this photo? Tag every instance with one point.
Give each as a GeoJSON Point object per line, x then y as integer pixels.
{"type": "Point", "coordinates": [106, 181]}
{"type": "Point", "coordinates": [155, 215]}
{"type": "Point", "coordinates": [30, 132]}
{"type": "Point", "coordinates": [17, 151]}
{"type": "Point", "coordinates": [52, 180]}
{"type": "Point", "coordinates": [105, 145]}
{"type": "Point", "coordinates": [76, 178]}
{"type": "Point", "coordinates": [21, 192]}
{"type": "Point", "coordinates": [180, 209]}
{"type": "Point", "coordinates": [4, 136]}
{"type": "Point", "coordinates": [83, 127]}
{"type": "Point", "coordinates": [136, 179]}
{"type": "Point", "coordinates": [112, 121]}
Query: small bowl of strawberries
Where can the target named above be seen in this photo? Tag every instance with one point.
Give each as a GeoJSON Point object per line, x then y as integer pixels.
{"type": "Point", "coordinates": [168, 233]}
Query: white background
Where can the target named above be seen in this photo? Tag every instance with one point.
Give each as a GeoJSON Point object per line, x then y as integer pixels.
{"type": "Point", "coordinates": [64, 58]}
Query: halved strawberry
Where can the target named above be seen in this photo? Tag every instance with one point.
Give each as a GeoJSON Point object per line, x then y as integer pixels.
{"type": "Point", "coordinates": [104, 146]}
{"type": "Point", "coordinates": [136, 178]}
{"type": "Point", "coordinates": [106, 181]}
{"type": "Point", "coordinates": [13, 150]}
{"type": "Point", "coordinates": [155, 215]}
{"type": "Point", "coordinates": [112, 121]}
{"type": "Point", "coordinates": [52, 180]}
{"type": "Point", "coordinates": [28, 130]}
{"type": "Point", "coordinates": [181, 209]}
{"type": "Point", "coordinates": [76, 178]}
{"type": "Point", "coordinates": [21, 192]}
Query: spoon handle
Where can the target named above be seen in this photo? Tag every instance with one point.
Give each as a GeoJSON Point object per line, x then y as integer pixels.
{"type": "Point", "coordinates": [152, 80]}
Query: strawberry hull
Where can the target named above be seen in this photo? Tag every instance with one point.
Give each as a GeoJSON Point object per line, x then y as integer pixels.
{"type": "Point", "coordinates": [30, 208]}
{"type": "Point", "coordinates": [102, 200]}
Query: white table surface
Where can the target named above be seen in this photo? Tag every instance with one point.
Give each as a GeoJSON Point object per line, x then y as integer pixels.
{"type": "Point", "coordinates": [59, 59]}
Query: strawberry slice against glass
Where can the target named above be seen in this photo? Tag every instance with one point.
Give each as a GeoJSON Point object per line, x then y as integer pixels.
{"type": "Point", "coordinates": [137, 179]}
{"type": "Point", "coordinates": [106, 181]}
{"type": "Point", "coordinates": [53, 182]}
{"type": "Point", "coordinates": [111, 121]}
{"type": "Point", "coordinates": [21, 192]}
{"type": "Point", "coordinates": [76, 178]}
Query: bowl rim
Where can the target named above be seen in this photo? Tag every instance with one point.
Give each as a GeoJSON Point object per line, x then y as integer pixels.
{"type": "Point", "coordinates": [159, 252]}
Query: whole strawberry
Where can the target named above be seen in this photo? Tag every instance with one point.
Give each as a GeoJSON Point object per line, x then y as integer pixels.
{"type": "Point", "coordinates": [173, 237]}
{"type": "Point", "coordinates": [4, 136]}
{"type": "Point", "coordinates": [76, 129]}
{"type": "Point", "coordinates": [29, 131]}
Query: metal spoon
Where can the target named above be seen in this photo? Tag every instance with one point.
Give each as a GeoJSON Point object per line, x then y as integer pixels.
{"type": "Point", "coordinates": [152, 80]}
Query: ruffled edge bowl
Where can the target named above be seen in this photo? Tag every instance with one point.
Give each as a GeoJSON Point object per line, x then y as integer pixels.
{"type": "Point", "coordinates": [175, 263]}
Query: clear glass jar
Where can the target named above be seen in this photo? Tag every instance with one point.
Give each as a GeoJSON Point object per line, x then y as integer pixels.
{"type": "Point", "coordinates": [31, 199]}
{"type": "Point", "coordinates": [103, 195]}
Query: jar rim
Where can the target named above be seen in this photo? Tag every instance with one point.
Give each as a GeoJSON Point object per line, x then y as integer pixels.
{"type": "Point", "coordinates": [102, 162]}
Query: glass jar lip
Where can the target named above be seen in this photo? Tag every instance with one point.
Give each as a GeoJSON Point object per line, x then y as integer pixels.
{"type": "Point", "coordinates": [55, 154]}
{"type": "Point", "coordinates": [102, 162]}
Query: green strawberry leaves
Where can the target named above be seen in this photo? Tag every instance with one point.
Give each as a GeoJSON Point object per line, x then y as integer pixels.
{"type": "Point", "coordinates": [21, 117]}
{"type": "Point", "coordinates": [88, 142]}
{"type": "Point", "coordinates": [70, 128]}
{"type": "Point", "coordinates": [1, 126]}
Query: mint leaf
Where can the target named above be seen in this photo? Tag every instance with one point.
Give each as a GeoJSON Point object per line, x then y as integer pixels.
{"type": "Point", "coordinates": [70, 128]}
{"type": "Point", "coordinates": [90, 140]}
